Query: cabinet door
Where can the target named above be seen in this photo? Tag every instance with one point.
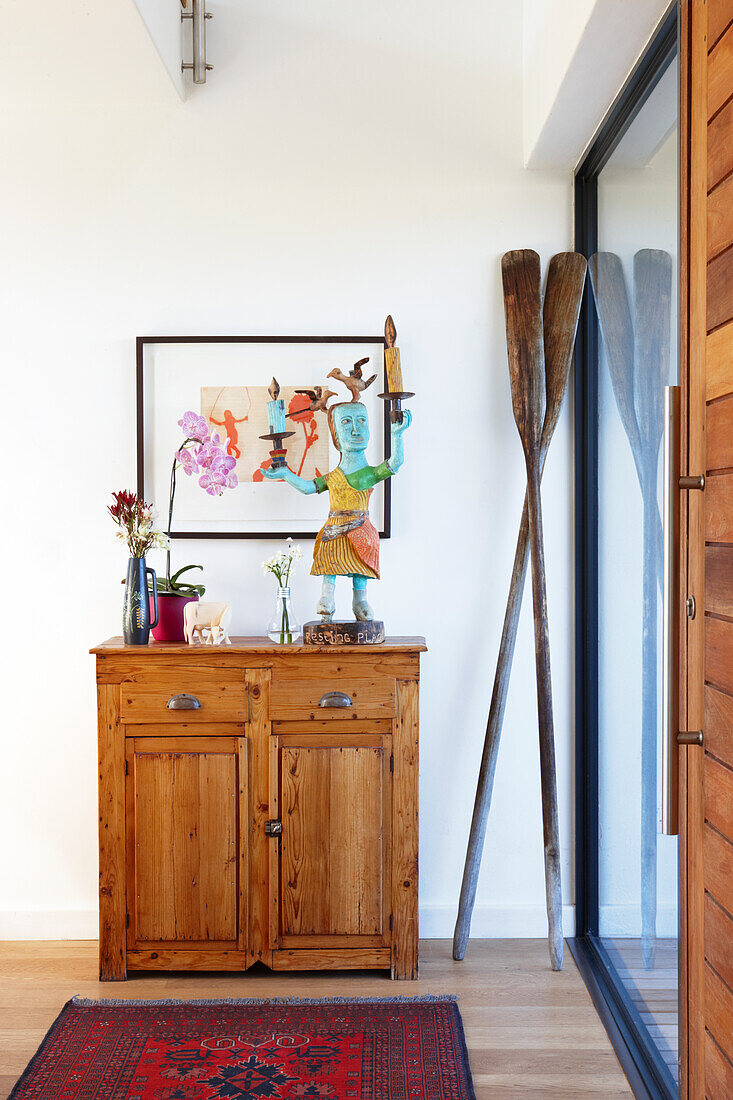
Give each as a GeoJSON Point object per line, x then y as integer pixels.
{"type": "Point", "coordinates": [333, 796]}
{"type": "Point", "coordinates": [186, 878]}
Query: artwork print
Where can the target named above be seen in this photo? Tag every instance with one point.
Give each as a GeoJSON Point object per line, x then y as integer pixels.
{"type": "Point", "coordinates": [240, 413]}
{"type": "Point", "coordinates": [226, 380]}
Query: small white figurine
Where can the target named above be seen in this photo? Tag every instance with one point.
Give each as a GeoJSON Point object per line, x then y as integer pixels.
{"type": "Point", "coordinates": [214, 617]}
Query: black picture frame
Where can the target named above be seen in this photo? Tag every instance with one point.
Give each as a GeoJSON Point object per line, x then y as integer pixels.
{"type": "Point", "coordinates": [144, 341]}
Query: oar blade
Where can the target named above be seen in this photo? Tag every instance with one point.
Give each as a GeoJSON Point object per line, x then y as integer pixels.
{"type": "Point", "coordinates": [653, 310]}
{"type": "Point", "coordinates": [560, 313]}
{"type": "Point", "coordinates": [617, 329]}
{"type": "Point", "coordinates": [522, 279]}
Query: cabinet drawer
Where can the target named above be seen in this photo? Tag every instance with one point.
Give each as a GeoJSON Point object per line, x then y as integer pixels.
{"type": "Point", "coordinates": [292, 700]}
{"type": "Point", "coordinates": [220, 700]}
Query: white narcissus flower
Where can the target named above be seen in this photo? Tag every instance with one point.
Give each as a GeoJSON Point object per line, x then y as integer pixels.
{"type": "Point", "coordinates": [281, 563]}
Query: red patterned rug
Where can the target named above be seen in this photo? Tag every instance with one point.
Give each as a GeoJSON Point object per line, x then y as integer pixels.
{"type": "Point", "coordinates": [381, 1049]}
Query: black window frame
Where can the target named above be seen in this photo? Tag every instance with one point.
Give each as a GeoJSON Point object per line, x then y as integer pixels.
{"type": "Point", "coordinates": [644, 1066]}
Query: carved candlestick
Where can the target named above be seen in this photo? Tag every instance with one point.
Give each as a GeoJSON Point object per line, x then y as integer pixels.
{"type": "Point", "coordinates": [276, 423]}
{"type": "Point", "coordinates": [395, 394]}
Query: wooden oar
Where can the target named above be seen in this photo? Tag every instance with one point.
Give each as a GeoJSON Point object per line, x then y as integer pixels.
{"type": "Point", "coordinates": [563, 295]}
{"type": "Point", "coordinates": [617, 330]}
{"type": "Point", "coordinates": [652, 309]}
{"type": "Point", "coordinates": [637, 353]}
{"type": "Point", "coordinates": [525, 345]}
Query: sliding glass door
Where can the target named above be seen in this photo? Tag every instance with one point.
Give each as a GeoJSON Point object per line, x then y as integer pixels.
{"type": "Point", "coordinates": [628, 226]}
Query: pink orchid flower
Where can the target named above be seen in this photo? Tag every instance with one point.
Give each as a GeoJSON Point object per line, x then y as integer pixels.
{"type": "Point", "coordinates": [194, 426]}
{"type": "Point", "coordinates": [213, 482]}
{"type": "Point", "coordinates": [208, 455]}
{"type": "Point", "coordinates": [187, 461]}
{"type": "Point", "coordinates": [212, 456]}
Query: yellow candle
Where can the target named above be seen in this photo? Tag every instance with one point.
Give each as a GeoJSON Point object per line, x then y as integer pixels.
{"type": "Point", "coordinates": [392, 358]}
{"type": "Point", "coordinates": [394, 370]}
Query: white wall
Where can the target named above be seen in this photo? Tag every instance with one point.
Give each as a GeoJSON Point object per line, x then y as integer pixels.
{"type": "Point", "coordinates": [170, 36]}
{"type": "Point", "coordinates": [342, 162]}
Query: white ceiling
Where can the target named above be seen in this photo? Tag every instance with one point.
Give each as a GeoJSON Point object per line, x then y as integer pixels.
{"type": "Point", "coordinates": [577, 56]}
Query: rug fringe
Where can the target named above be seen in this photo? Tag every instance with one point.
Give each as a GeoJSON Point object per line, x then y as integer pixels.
{"type": "Point", "coordinates": [423, 998]}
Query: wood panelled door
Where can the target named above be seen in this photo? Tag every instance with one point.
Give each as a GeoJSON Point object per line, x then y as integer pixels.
{"type": "Point", "coordinates": [707, 772]}
{"type": "Point", "coordinates": [186, 797]}
{"type": "Point", "coordinates": [334, 796]}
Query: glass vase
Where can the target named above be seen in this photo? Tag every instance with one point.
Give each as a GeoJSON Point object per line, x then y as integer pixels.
{"type": "Point", "coordinates": [284, 627]}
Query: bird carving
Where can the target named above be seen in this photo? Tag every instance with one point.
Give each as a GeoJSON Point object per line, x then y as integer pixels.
{"type": "Point", "coordinates": [353, 380]}
{"type": "Point", "coordinates": [319, 398]}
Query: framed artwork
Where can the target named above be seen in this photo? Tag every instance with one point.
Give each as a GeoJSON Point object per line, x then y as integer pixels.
{"type": "Point", "coordinates": [226, 379]}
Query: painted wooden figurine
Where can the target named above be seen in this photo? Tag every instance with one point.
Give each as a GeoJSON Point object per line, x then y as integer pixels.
{"type": "Point", "coordinates": [348, 543]}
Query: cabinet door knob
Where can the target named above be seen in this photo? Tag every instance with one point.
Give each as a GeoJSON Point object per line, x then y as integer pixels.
{"type": "Point", "coordinates": [335, 699]}
{"type": "Point", "coordinates": [183, 702]}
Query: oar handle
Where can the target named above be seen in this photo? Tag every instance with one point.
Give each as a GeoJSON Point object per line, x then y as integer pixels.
{"type": "Point", "coordinates": [550, 815]}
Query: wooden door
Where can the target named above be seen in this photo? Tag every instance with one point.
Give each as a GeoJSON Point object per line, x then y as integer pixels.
{"type": "Point", "coordinates": [332, 883]}
{"type": "Point", "coordinates": [707, 698]}
{"type": "Point", "coordinates": [186, 863]}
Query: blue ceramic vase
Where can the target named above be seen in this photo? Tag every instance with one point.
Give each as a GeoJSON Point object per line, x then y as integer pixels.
{"type": "Point", "coordinates": [136, 622]}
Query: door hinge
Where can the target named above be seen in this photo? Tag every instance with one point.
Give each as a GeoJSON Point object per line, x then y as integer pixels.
{"type": "Point", "coordinates": [390, 922]}
{"type": "Point", "coordinates": [391, 762]}
{"type": "Point", "coordinates": [127, 920]}
{"type": "Point", "coordinates": [274, 828]}
{"type": "Point", "coordinates": [695, 482]}
{"type": "Point", "coordinates": [127, 768]}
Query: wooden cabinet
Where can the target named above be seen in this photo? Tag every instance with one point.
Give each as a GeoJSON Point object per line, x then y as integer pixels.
{"type": "Point", "coordinates": [258, 803]}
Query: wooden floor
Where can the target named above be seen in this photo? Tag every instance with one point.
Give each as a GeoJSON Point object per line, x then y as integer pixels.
{"type": "Point", "coordinates": [531, 1034]}
{"type": "Point", "coordinates": [653, 990]}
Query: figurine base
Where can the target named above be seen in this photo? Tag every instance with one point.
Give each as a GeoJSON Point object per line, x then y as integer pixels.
{"type": "Point", "coordinates": [343, 632]}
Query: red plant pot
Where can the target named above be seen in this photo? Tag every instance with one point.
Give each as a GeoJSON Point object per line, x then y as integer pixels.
{"type": "Point", "coordinates": [170, 616]}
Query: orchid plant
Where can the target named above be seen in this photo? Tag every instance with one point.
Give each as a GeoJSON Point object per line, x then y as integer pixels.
{"type": "Point", "coordinates": [203, 454]}
{"type": "Point", "coordinates": [136, 522]}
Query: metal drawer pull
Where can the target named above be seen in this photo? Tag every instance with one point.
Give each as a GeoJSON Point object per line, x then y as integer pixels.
{"type": "Point", "coordinates": [183, 702]}
{"type": "Point", "coordinates": [335, 699]}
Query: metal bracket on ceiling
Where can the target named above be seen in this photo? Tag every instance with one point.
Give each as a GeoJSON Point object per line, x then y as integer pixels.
{"type": "Point", "coordinates": [198, 17]}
